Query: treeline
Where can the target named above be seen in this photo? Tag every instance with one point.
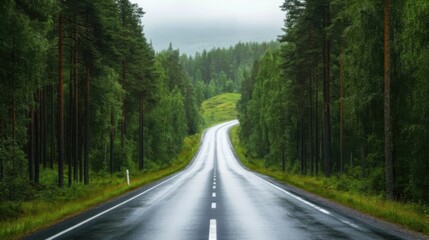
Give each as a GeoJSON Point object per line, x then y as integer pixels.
{"type": "Point", "coordinates": [83, 92]}
{"type": "Point", "coordinates": [346, 95]}
{"type": "Point", "coordinates": [222, 70]}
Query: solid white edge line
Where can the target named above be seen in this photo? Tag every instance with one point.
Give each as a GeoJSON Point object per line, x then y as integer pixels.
{"type": "Point", "coordinates": [296, 197]}
{"type": "Point", "coordinates": [213, 230]}
{"type": "Point", "coordinates": [110, 209]}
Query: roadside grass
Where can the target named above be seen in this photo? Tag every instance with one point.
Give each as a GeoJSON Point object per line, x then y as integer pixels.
{"type": "Point", "coordinates": [69, 202]}
{"type": "Point", "coordinates": [220, 108]}
{"type": "Point", "coordinates": [409, 215]}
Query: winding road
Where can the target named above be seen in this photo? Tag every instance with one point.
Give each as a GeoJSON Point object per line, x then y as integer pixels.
{"type": "Point", "coordinates": [215, 197]}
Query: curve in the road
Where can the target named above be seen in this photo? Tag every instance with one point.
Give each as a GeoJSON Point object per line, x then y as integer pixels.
{"type": "Point", "coordinates": [214, 198]}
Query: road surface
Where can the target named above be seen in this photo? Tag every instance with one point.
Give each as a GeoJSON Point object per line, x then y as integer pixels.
{"type": "Point", "coordinates": [214, 198]}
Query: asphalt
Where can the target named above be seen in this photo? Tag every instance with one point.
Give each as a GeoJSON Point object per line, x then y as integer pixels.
{"type": "Point", "coordinates": [217, 198]}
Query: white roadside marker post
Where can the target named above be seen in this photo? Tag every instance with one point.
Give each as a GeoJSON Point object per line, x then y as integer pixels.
{"type": "Point", "coordinates": [128, 177]}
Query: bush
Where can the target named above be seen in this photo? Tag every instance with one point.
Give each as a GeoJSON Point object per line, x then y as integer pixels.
{"type": "Point", "coordinates": [10, 210]}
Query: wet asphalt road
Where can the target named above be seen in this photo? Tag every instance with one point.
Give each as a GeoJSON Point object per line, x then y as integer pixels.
{"type": "Point", "coordinates": [214, 198]}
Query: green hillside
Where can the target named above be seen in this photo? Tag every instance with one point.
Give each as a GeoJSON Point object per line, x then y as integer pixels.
{"type": "Point", "coordinates": [220, 108]}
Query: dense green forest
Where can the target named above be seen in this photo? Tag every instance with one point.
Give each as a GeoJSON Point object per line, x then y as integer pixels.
{"type": "Point", "coordinates": [83, 92]}
{"type": "Point", "coordinates": [222, 70]}
{"type": "Point", "coordinates": [346, 95]}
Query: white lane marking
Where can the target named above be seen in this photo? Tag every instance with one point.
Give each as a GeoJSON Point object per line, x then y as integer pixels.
{"type": "Point", "coordinates": [214, 187]}
{"type": "Point", "coordinates": [296, 197]}
{"type": "Point", "coordinates": [110, 209]}
{"type": "Point", "coordinates": [213, 230]}
{"type": "Point", "coordinates": [214, 194]}
{"type": "Point", "coordinates": [350, 224]}
{"type": "Point", "coordinates": [214, 183]}
{"type": "Point", "coordinates": [213, 205]}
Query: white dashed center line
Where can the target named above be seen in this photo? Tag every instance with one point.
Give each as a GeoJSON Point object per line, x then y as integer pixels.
{"type": "Point", "coordinates": [214, 194]}
{"type": "Point", "coordinates": [213, 230]}
{"type": "Point", "coordinates": [213, 205]}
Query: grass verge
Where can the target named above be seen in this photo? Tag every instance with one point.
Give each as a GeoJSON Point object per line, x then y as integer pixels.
{"type": "Point", "coordinates": [38, 214]}
{"type": "Point", "coordinates": [409, 215]}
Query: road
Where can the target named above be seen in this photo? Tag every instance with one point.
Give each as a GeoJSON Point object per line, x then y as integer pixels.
{"type": "Point", "coordinates": [214, 198]}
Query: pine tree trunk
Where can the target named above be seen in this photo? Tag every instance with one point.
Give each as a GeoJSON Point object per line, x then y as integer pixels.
{"type": "Point", "coordinates": [112, 144]}
{"type": "Point", "coordinates": [86, 138]}
{"type": "Point", "coordinates": [31, 148]}
{"type": "Point", "coordinates": [51, 163]}
{"type": "Point", "coordinates": [75, 132]}
{"type": "Point", "coordinates": [311, 123]}
{"type": "Point", "coordinates": [326, 97]}
{"type": "Point", "coordinates": [341, 106]}
{"type": "Point", "coordinates": [388, 136]}
{"type": "Point", "coordinates": [14, 128]}
{"type": "Point", "coordinates": [44, 129]}
{"type": "Point", "coordinates": [301, 127]}
{"type": "Point", "coordinates": [60, 119]}
{"type": "Point", "coordinates": [70, 142]}
{"type": "Point", "coordinates": [141, 134]}
{"type": "Point", "coordinates": [124, 110]}
{"type": "Point", "coordinates": [316, 92]}
{"type": "Point", "coordinates": [37, 142]}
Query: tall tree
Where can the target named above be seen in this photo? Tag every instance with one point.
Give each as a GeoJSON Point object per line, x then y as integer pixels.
{"type": "Point", "coordinates": [388, 135]}
{"type": "Point", "coordinates": [326, 91]}
{"type": "Point", "coordinates": [60, 102]}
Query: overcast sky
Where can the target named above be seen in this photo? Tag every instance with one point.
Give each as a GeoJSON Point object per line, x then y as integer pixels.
{"type": "Point", "coordinates": [194, 25]}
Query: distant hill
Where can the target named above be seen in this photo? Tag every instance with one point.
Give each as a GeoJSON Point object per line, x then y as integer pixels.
{"type": "Point", "coordinates": [220, 108]}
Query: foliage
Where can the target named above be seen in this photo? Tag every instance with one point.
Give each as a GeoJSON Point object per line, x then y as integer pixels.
{"type": "Point", "coordinates": [220, 108]}
{"type": "Point", "coordinates": [317, 104]}
{"type": "Point", "coordinates": [124, 107]}
{"type": "Point", "coordinates": [221, 70]}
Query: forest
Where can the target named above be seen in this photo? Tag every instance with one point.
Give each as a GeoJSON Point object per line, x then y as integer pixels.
{"type": "Point", "coordinates": [84, 92]}
{"type": "Point", "coordinates": [346, 95]}
{"type": "Point", "coordinates": [85, 96]}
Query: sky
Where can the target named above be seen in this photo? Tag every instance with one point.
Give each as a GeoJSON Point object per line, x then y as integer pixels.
{"type": "Point", "coordinates": [195, 25]}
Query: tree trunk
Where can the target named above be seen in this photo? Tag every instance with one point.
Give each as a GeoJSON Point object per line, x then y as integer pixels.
{"type": "Point", "coordinates": [141, 134]}
{"type": "Point", "coordinates": [124, 113]}
{"type": "Point", "coordinates": [341, 105]}
{"type": "Point", "coordinates": [37, 142]}
{"type": "Point", "coordinates": [388, 135]}
{"type": "Point", "coordinates": [311, 123]}
{"type": "Point", "coordinates": [31, 148]}
{"type": "Point", "coordinates": [316, 92]}
{"type": "Point", "coordinates": [301, 127]}
{"type": "Point", "coordinates": [51, 163]}
{"type": "Point", "coordinates": [86, 138]}
{"type": "Point", "coordinates": [326, 97]}
{"type": "Point", "coordinates": [112, 138]}
{"type": "Point", "coordinates": [69, 134]}
{"type": "Point", "coordinates": [60, 119]}
{"type": "Point", "coordinates": [44, 129]}
{"type": "Point", "coordinates": [75, 132]}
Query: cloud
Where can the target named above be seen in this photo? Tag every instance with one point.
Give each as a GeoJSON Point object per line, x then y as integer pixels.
{"type": "Point", "coordinates": [194, 25]}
